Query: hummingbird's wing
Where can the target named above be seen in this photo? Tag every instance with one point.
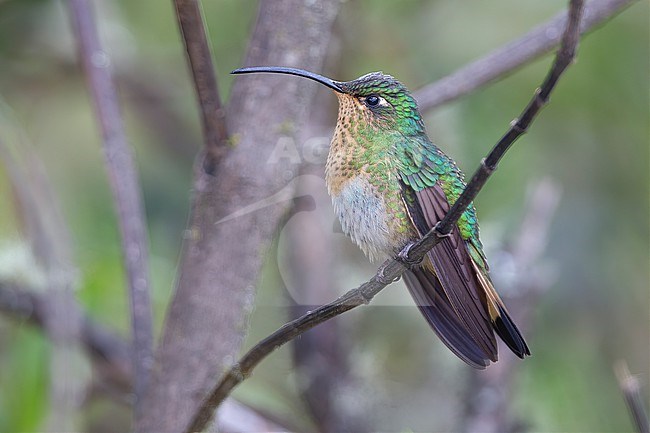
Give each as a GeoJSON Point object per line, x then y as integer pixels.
{"type": "Point", "coordinates": [451, 263]}
{"type": "Point", "coordinates": [465, 283]}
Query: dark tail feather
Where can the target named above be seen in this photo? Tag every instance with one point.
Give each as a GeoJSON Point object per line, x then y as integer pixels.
{"type": "Point", "coordinates": [434, 305]}
{"type": "Point", "coordinates": [507, 330]}
{"type": "Point", "coordinates": [501, 321]}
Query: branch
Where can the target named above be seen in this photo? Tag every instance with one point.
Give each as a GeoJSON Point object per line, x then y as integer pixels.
{"type": "Point", "coordinates": [213, 116]}
{"type": "Point", "coordinates": [110, 355]}
{"type": "Point", "coordinates": [124, 183]}
{"type": "Point", "coordinates": [103, 346]}
{"type": "Point", "coordinates": [631, 389]}
{"type": "Point", "coordinates": [504, 60]}
{"type": "Point", "coordinates": [391, 270]}
{"type": "Point", "coordinates": [320, 356]}
{"type": "Point", "coordinates": [520, 125]}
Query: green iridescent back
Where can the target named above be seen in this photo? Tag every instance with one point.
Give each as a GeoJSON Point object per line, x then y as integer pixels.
{"type": "Point", "coordinates": [422, 165]}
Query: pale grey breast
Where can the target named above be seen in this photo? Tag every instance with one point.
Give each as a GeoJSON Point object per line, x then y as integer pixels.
{"type": "Point", "coordinates": [362, 213]}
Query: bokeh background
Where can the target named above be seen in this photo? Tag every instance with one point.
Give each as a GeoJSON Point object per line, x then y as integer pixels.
{"type": "Point", "coordinates": [591, 142]}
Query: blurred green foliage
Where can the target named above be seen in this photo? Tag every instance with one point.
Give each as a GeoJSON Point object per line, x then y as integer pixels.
{"type": "Point", "coordinates": [592, 140]}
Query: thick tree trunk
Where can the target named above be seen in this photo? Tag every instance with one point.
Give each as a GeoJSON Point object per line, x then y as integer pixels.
{"type": "Point", "coordinates": [208, 315]}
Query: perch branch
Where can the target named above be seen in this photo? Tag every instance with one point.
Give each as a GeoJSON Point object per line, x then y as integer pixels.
{"type": "Point", "coordinates": [321, 356]}
{"type": "Point", "coordinates": [192, 28]}
{"type": "Point", "coordinates": [499, 63]}
{"type": "Point", "coordinates": [520, 125]}
{"type": "Point", "coordinates": [124, 182]}
{"type": "Point", "coordinates": [392, 269]}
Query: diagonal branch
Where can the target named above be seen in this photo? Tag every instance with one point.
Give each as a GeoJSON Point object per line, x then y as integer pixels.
{"type": "Point", "coordinates": [192, 27]}
{"type": "Point", "coordinates": [391, 270]}
{"type": "Point", "coordinates": [104, 347]}
{"type": "Point", "coordinates": [520, 125]}
{"type": "Point", "coordinates": [499, 63]}
{"type": "Point", "coordinates": [124, 182]}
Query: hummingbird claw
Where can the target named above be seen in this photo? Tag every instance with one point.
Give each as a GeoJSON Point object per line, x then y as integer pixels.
{"type": "Point", "coordinates": [440, 234]}
{"type": "Point", "coordinates": [381, 277]}
{"type": "Point", "coordinates": [404, 256]}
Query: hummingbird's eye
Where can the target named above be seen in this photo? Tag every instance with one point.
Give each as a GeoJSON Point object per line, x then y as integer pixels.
{"type": "Point", "coordinates": [372, 100]}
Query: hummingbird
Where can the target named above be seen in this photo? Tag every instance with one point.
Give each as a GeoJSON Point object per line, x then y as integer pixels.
{"type": "Point", "coordinates": [389, 186]}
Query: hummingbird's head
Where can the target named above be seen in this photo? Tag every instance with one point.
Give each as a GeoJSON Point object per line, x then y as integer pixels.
{"type": "Point", "coordinates": [382, 102]}
{"type": "Point", "coordinates": [376, 99]}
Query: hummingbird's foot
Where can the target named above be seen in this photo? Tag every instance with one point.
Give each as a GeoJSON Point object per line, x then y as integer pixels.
{"type": "Point", "coordinates": [404, 256]}
{"type": "Point", "coordinates": [440, 234]}
{"type": "Point", "coordinates": [383, 279]}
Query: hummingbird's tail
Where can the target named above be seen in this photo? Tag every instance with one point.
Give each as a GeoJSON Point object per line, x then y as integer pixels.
{"type": "Point", "coordinates": [503, 325]}
{"type": "Point", "coordinates": [431, 299]}
{"type": "Point", "coordinates": [435, 306]}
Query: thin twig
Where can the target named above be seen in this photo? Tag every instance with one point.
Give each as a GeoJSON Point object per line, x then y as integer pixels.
{"type": "Point", "coordinates": [504, 60]}
{"type": "Point", "coordinates": [392, 269]}
{"type": "Point", "coordinates": [321, 356]}
{"type": "Point", "coordinates": [520, 125]}
{"type": "Point", "coordinates": [389, 272]}
{"type": "Point", "coordinates": [124, 183]}
{"type": "Point", "coordinates": [631, 390]}
{"type": "Point", "coordinates": [192, 27]}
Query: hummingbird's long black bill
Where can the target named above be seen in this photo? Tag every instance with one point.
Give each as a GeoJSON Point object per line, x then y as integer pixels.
{"type": "Point", "coordinates": [334, 85]}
